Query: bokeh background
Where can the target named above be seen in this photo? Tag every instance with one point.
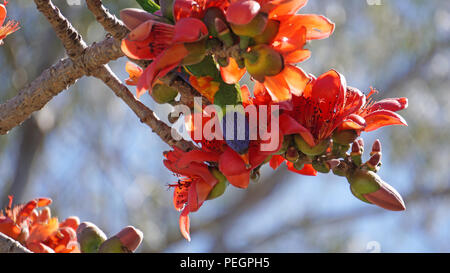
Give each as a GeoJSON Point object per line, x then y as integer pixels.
{"type": "Point", "coordinates": [90, 154]}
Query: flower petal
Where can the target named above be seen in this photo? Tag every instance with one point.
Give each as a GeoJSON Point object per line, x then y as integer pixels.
{"type": "Point", "coordinates": [290, 126]}
{"type": "Point", "coordinates": [278, 88]}
{"type": "Point", "coordinates": [283, 7]}
{"type": "Point", "coordinates": [189, 30]}
{"type": "Point", "coordinates": [307, 169]}
{"type": "Point", "coordinates": [276, 161]}
{"type": "Point", "coordinates": [383, 118]}
{"type": "Point", "coordinates": [391, 104]}
{"type": "Point", "coordinates": [164, 63]}
{"type": "Point", "coordinates": [232, 74]}
{"type": "Point", "coordinates": [184, 224]}
{"type": "Point", "coordinates": [317, 26]}
{"type": "Point", "coordinates": [296, 78]}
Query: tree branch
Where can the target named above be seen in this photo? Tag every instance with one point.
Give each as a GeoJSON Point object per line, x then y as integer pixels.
{"type": "Point", "coordinates": [53, 81]}
{"type": "Point", "coordinates": [8, 245]}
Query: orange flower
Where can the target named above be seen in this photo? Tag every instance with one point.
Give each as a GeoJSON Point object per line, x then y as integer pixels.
{"type": "Point", "coordinates": [9, 27]}
{"type": "Point", "coordinates": [167, 45]}
{"type": "Point", "coordinates": [374, 115]}
{"type": "Point", "coordinates": [135, 73]}
{"type": "Point", "coordinates": [324, 105]}
{"type": "Point", "coordinates": [37, 230]}
{"type": "Point", "coordinates": [282, 43]}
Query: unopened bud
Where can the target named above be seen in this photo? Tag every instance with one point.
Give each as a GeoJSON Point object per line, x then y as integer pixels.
{"type": "Point", "coordinates": [374, 162]}
{"type": "Point", "coordinates": [126, 241]}
{"type": "Point", "coordinates": [376, 147]}
{"type": "Point", "coordinates": [368, 187]}
{"type": "Point", "coordinates": [345, 136]}
{"type": "Point", "coordinates": [162, 93]}
{"type": "Point", "coordinates": [90, 237]}
{"type": "Point", "coordinates": [263, 61]}
{"type": "Point", "coordinates": [356, 154]}
{"type": "Point", "coordinates": [292, 154]}
{"type": "Point", "coordinates": [269, 33]}
{"type": "Point", "coordinates": [255, 175]}
{"type": "Point", "coordinates": [130, 237]}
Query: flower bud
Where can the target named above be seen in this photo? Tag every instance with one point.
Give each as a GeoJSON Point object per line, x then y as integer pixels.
{"type": "Point", "coordinates": [220, 187]}
{"type": "Point", "coordinates": [357, 151]}
{"type": "Point", "coordinates": [126, 241]}
{"type": "Point", "coordinates": [269, 33]}
{"type": "Point", "coordinates": [374, 162]}
{"type": "Point", "coordinates": [132, 17]}
{"type": "Point", "coordinates": [162, 93]}
{"type": "Point", "coordinates": [90, 237]}
{"type": "Point", "coordinates": [344, 137]}
{"type": "Point", "coordinates": [292, 154]}
{"type": "Point", "coordinates": [376, 147]}
{"type": "Point", "coordinates": [214, 20]}
{"type": "Point", "coordinates": [252, 29]}
{"type": "Point", "coordinates": [255, 175]}
{"type": "Point", "coordinates": [368, 187]}
{"type": "Point", "coordinates": [304, 147]}
{"type": "Point", "coordinates": [263, 61]}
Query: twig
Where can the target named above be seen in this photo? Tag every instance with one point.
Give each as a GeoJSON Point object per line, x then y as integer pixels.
{"type": "Point", "coordinates": [8, 245]}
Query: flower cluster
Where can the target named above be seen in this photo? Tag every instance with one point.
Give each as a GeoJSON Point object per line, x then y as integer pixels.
{"type": "Point", "coordinates": [318, 121]}
{"type": "Point", "coordinates": [37, 230]}
{"type": "Point", "coordinates": [9, 27]}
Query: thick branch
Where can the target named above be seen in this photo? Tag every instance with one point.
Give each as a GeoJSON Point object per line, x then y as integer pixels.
{"type": "Point", "coordinates": [8, 245]}
{"type": "Point", "coordinates": [72, 41]}
{"type": "Point", "coordinates": [53, 81]}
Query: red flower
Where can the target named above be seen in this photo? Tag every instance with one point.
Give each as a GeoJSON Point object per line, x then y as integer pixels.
{"type": "Point", "coordinates": [195, 8]}
{"type": "Point", "coordinates": [374, 115]}
{"type": "Point", "coordinates": [37, 230]}
{"type": "Point", "coordinates": [292, 33]}
{"type": "Point", "coordinates": [324, 105]}
{"type": "Point", "coordinates": [9, 27]}
{"type": "Point", "coordinates": [195, 183]}
{"type": "Point", "coordinates": [163, 43]}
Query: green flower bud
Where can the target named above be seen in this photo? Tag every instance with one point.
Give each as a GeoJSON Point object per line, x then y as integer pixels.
{"type": "Point", "coordinates": [304, 147]}
{"type": "Point", "coordinates": [363, 182]}
{"type": "Point", "coordinates": [345, 137]}
{"type": "Point", "coordinates": [163, 93]}
{"type": "Point", "coordinates": [269, 33]}
{"type": "Point", "coordinates": [370, 188]}
{"type": "Point", "coordinates": [263, 61]}
{"type": "Point", "coordinates": [90, 237]}
{"type": "Point", "coordinates": [252, 29]}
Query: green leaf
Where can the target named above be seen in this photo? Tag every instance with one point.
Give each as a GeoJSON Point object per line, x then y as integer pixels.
{"type": "Point", "coordinates": [148, 5]}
